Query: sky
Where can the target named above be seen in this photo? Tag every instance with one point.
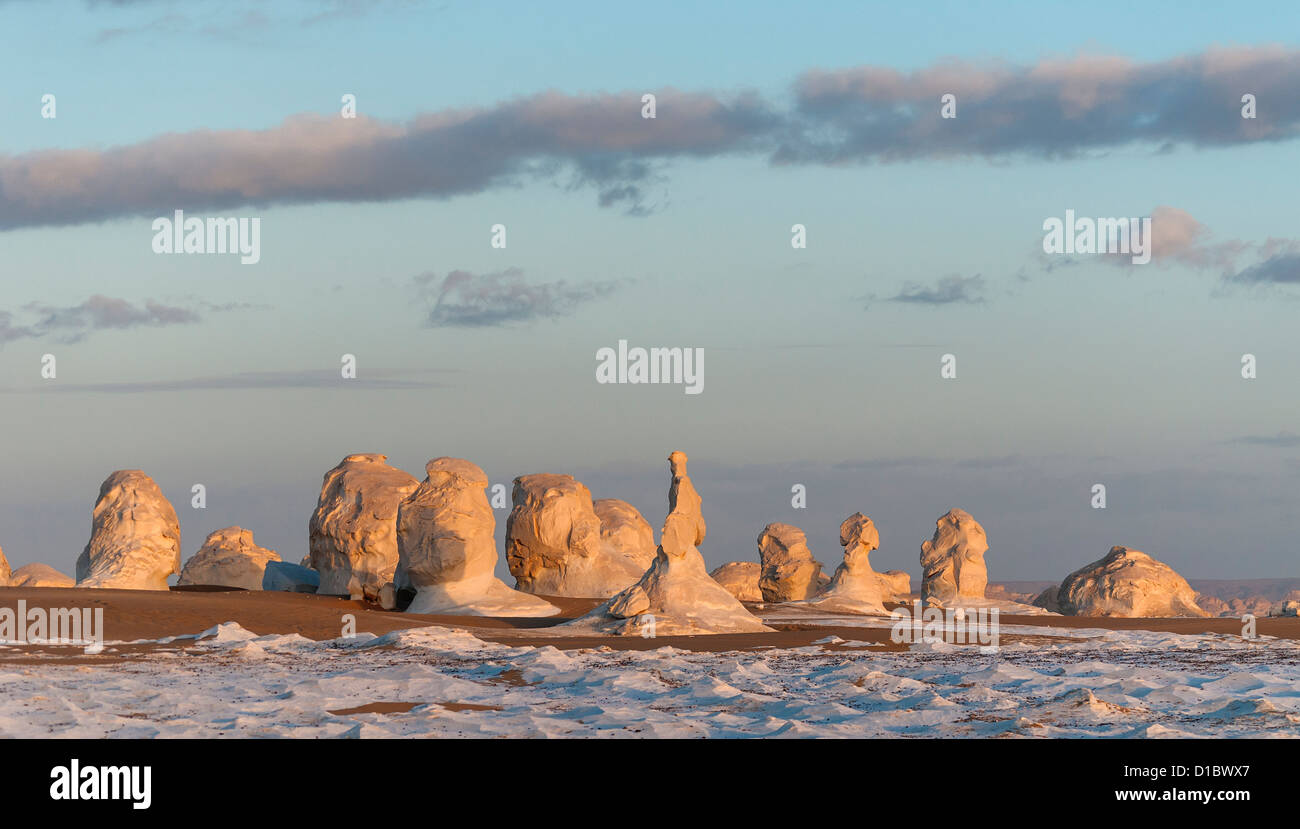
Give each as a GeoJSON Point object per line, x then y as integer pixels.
{"type": "Point", "coordinates": [822, 363]}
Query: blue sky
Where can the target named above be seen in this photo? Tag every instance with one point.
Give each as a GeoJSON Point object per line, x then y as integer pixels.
{"type": "Point", "coordinates": [1068, 375]}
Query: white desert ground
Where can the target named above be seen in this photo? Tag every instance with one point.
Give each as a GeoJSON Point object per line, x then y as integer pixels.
{"type": "Point", "coordinates": [395, 625]}
{"type": "Point", "coordinates": [283, 670]}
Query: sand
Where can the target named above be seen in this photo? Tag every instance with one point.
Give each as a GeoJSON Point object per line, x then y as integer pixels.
{"type": "Point", "coordinates": [132, 615]}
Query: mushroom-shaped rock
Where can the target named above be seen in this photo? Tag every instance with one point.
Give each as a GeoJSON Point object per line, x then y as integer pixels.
{"type": "Point", "coordinates": [895, 585]}
{"type": "Point", "coordinates": [855, 587]}
{"type": "Point", "coordinates": [953, 560]}
{"type": "Point", "coordinates": [135, 539]}
{"type": "Point", "coordinates": [741, 579]}
{"type": "Point", "coordinates": [790, 573]}
{"type": "Point", "coordinates": [675, 595]}
{"type": "Point", "coordinates": [555, 544]}
{"type": "Point", "coordinates": [228, 558]}
{"type": "Point", "coordinates": [39, 575]}
{"type": "Point", "coordinates": [353, 532]}
{"type": "Point", "coordinates": [5, 573]}
{"type": "Point", "coordinates": [446, 549]}
{"type": "Point", "coordinates": [1127, 583]}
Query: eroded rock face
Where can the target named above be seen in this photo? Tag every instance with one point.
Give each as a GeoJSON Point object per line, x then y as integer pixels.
{"type": "Point", "coordinates": [1213, 605]}
{"type": "Point", "coordinates": [855, 587]}
{"type": "Point", "coordinates": [1047, 599]}
{"type": "Point", "coordinates": [895, 585]}
{"type": "Point", "coordinates": [39, 575]}
{"type": "Point", "coordinates": [353, 532]}
{"type": "Point", "coordinates": [685, 503]}
{"type": "Point", "coordinates": [135, 539]}
{"type": "Point", "coordinates": [5, 572]}
{"type": "Point", "coordinates": [555, 542]}
{"type": "Point", "coordinates": [675, 595]}
{"type": "Point", "coordinates": [446, 548]}
{"type": "Point", "coordinates": [740, 578]}
{"type": "Point", "coordinates": [953, 560]}
{"type": "Point", "coordinates": [789, 571]}
{"type": "Point", "coordinates": [1127, 583]}
{"type": "Point", "coordinates": [229, 558]}
{"type": "Point", "coordinates": [290, 578]}
{"type": "Point", "coordinates": [625, 533]}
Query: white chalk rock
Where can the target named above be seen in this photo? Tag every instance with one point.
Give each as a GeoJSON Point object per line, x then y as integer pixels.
{"type": "Point", "coordinates": [555, 544]}
{"type": "Point", "coordinates": [685, 503]}
{"type": "Point", "coordinates": [290, 578]}
{"type": "Point", "coordinates": [135, 539]}
{"type": "Point", "coordinates": [229, 558]}
{"type": "Point", "coordinates": [5, 573]}
{"type": "Point", "coordinates": [1047, 599]}
{"type": "Point", "coordinates": [353, 532]}
{"type": "Point", "coordinates": [625, 534]}
{"type": "Point", "coordinates": [675, 595]}
{"type": "Point", "coordinates": [855, 587]}
{"type": "Point", "coordinates": [446, 549]}
{"type": "Point", "coordinates": [39, 575]}
{"type": "Point", "coordinates": [1287, 609]}
{"type": "Point", "coordinates": [790, 573]}
{"type": "Point", "coordinates": [895, 585]}
{"type": "Point", "coordinates": [953, 560]}
{"type": "Point", "coordinates": [740, 578]}
{"type": "Point", "coordinates": [1127, 583]}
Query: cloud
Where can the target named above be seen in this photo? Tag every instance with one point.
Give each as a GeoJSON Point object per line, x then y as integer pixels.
{"type": "Point", "coordinates": [1282, 269]}
{"type": "Point", "coordinates": [1056, 108]}
{"type": "Point", "coordinates": [1281, 439]}
{"type": "Point", "coordinates": [1179, 239]}
{"type": "Point", "coordinates": [72, 323]}
{"type": "Point", "coordinates": [466, 300]}
{"type": "Point", "coordinates": [1052, 109]}
{"type": "Point", "coordinates": [233, 20]}
{"type": "Point", "coordinates": [947, 291]}
{"type": "Point", "coordinates": [318, 158]}
{"type": "Point", "coordinates": [9, 331]}
{"type": "Point", "coordinates": [370, 380]}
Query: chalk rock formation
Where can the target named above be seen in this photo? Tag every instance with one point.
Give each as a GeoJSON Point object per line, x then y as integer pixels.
{"type": "Point", "coordinates": [855, 587]}
{"type": "Point", "coordinates": [229, 558]}
{"type": "Point", "coordinates": [290, 578]}
{"type": "Point", "coordinates": [1127, 583]}
{"type": "Point", "coordinates": [1213, 605]}
{"type": "Point", "coordinates": [39, 575]}
{"type": "Point", "coordinates": [353, 532]}
{"type": "Point", "coordinates": [790, 573]}
{"type": "Point", "coordinates": [625, 533]}
{"type": "Point", "coordinates": [675, 595]}
{"type": "Point", "coordinates": [1289, 608]}
{"type": "Point", "coordinates": [895, 585]}
{"type": "Point", "coordinates": [1047, 599]}
{"type": "Point", "coordinates": [953, 560]}
{"type": "Point", "coordinates": [446, 548]}
{"type": "Point", "coordinates": [681, 492]}
{"type": "Point", "coordinates": [5, 572]}
{"type": "Point", "coordinates": [135, 539]}
{"type": "Point", "coordinates": [741, 579]}
{"type": "Point", "coordinates": [555, 544]}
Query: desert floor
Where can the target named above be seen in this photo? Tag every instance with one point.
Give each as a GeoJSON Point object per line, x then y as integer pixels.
{"type": "Point", "coordinates": [197, 663]}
